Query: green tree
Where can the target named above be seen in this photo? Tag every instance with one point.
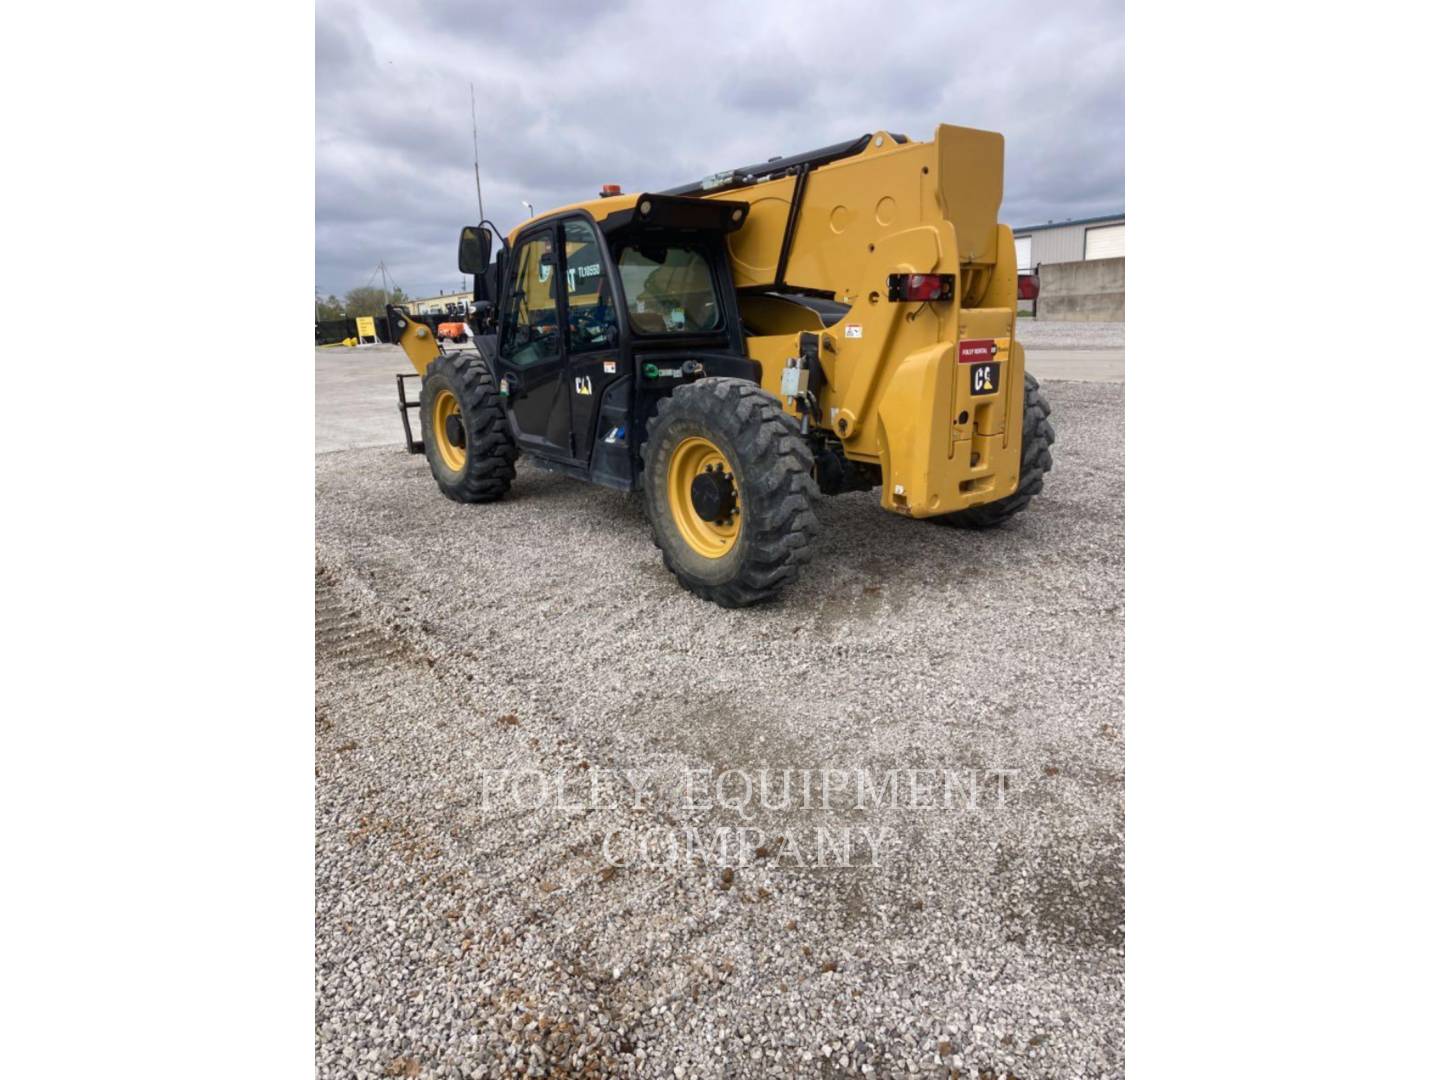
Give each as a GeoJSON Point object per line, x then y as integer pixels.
{"type": "Point", "coordinates": [329, 308]}
{"type": "Point", "coordinates": [371, 300]}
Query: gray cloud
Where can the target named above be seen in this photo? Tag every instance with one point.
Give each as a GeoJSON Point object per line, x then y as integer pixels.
{"type": "Point", "coordinates": [647, 93]}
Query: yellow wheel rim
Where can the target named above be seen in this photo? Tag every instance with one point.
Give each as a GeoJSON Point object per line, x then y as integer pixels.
{"type": "Point", "coordinates": [445, 406]}
{"type": "Point", "coordinates": [694, 457]}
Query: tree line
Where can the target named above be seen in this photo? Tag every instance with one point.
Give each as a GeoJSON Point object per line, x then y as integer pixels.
{"type": "Point", "coordinates": [364, 300]}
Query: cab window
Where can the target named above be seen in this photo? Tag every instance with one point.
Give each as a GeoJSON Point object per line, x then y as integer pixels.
{"type": "Point", "coordinates": [669, 288]}
{"type": "Point", "coordinates": [529, 333]}
{"type": "Point", "coordinates": [590, 302]}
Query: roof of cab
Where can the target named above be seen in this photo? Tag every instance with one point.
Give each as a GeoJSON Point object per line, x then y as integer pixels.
{"type": "Point", "coordinates": [599, 209]}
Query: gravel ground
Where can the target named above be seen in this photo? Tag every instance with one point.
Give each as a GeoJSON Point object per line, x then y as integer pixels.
{"type": "Point", "coordinates": [1041, 334]}
{"type": "Point", "coordinates": [462, 931]}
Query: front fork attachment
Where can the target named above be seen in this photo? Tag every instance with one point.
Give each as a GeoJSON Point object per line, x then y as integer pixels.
{"type": "Point", "coordinates": [412, 444]}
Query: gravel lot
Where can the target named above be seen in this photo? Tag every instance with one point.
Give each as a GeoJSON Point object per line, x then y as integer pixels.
{"type": "Point", "coordinates": [462, 931]}
{"type": "Point", "coordinates": [1043, 334]}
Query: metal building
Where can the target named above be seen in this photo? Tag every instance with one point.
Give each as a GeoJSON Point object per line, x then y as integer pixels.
{"type": "Point", "coordinates": [1070, 241]}
{"type": "Point", "coordinates": [456, 303]}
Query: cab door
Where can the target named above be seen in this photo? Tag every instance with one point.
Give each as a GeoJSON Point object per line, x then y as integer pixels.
{"type": "Point", "coordinates": [592, 330]}
{"type": "Point", "coordinates": [530, 354]}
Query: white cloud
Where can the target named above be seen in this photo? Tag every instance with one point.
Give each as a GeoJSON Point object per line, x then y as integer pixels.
{"type": "Point", "coordinates": [653, 94]}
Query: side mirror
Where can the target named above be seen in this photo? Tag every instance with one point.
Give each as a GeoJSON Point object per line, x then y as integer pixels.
{"type": "Point", "coordinates": [475, 243]}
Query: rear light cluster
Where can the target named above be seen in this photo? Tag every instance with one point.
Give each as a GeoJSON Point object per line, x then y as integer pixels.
{"type": "Point", "coordinates": [919, 287]}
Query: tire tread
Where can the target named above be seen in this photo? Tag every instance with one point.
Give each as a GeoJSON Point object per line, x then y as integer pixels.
{"type": "Point", "coordinates": [490, 462]}
{"type": "Point", "coordinates": [778, 466]}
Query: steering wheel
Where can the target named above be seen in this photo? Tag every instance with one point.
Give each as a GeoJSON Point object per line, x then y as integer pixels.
{"type": "Point", "coordinates": [593, 324]}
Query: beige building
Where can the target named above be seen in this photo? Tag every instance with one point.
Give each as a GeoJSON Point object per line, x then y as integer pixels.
{"type": "Point", "coordinates": [456, 303]}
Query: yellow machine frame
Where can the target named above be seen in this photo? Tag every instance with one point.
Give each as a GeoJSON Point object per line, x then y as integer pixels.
{"type": "Point", "coordinates": [895, 391]}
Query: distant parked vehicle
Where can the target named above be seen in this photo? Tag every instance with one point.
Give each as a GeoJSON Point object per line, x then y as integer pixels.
{"type": "Point", "coordinates": [451, 331]}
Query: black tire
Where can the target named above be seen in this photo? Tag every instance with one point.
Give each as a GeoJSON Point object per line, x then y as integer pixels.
{"type": "Point", "coordinates": [1036, 438]}
{"type": "Point", "coordinates": [488, 450]}
{"type": "Point", "coordinates": [771, 466]}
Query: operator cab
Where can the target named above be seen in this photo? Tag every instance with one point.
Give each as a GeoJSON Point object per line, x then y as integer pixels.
{"type": "Point", "coordinates": [669, 287]}
{"type": "Point", "coordinates": [595, 320]}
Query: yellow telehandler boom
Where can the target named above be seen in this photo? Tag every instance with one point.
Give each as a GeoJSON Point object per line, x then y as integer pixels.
{"type": "Point", "coordinates": [828, 322]}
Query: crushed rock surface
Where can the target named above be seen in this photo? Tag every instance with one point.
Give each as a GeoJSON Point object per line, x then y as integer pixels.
{"type": "Point", "coordinates": [462, 933]}
{"type": "Point", "coordinates": [1043, 334]}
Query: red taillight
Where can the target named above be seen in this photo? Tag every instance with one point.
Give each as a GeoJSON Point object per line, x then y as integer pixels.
{"type": "Point", "coordinates": [921, 287]}
{"type": "Point", "coordinates": [606, 190]}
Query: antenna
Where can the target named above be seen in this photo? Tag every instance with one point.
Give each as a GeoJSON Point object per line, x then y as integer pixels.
{"type": "Point", "coordinates": [475, 136]}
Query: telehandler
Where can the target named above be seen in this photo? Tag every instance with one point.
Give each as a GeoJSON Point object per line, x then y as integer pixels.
{"type": "Point", "coordinates": [828, 322]}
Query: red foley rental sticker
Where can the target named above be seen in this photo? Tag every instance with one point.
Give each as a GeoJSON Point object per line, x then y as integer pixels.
{"type": "Point", "coordinates": [977, 350]}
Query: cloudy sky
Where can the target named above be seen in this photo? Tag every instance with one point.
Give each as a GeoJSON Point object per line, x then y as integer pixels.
{"type": "Point", "coordinates": [651, 94]}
